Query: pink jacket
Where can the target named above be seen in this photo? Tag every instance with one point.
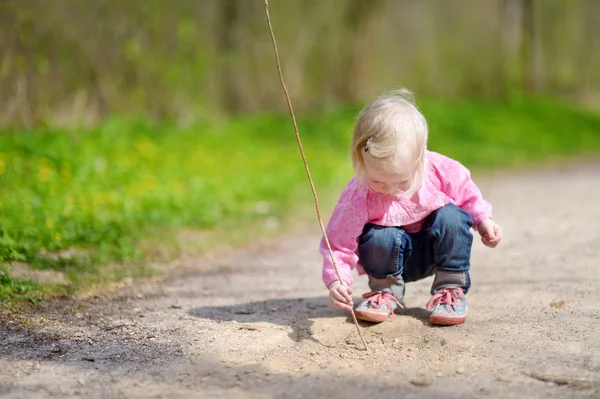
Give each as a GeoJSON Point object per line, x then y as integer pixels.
{"type": "Point", "coordinates": [447, 182]}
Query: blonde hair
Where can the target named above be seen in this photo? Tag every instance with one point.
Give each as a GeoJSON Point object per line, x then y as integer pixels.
{"type": "Point", "coordinates": [389, 129]}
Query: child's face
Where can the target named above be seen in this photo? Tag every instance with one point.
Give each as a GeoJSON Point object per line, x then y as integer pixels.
{"type": "Point", "coordinates": [386, 178]}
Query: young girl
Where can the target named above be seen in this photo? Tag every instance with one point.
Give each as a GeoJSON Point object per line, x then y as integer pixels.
{"type": "Point", "coordinates": [404, 216]}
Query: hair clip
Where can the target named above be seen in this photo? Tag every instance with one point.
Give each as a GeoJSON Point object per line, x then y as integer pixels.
{"type": "Point", "coordinates": [368, 144]}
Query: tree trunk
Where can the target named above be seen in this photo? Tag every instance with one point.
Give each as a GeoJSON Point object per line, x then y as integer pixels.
{"type": "Point", "coordinates": [532, 47]}
{"type": "Point", "coordinates": [228, 44]}
{"type": "Point", "coordinates": [359, 19]}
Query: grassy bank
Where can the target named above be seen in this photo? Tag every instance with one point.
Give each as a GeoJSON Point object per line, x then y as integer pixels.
{"type": "Point", "coordinates": [78, 201]}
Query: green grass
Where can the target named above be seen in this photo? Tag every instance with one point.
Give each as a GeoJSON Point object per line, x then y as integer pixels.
{"type": "Point", "coordinates": [14, 290]}
{"type": "Point", "coordinates": [522, 132]}
{"type": "Point", "coordinates": [80, 201]}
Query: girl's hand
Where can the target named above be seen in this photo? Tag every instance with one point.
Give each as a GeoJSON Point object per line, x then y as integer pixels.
{"type": "Point", "coordinates": [340, 295]}
{"type": "Point", "coordinates": [490, 233]}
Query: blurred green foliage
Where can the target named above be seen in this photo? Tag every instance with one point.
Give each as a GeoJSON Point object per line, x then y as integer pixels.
{"type": "Point", "coordinates": [516, 133]}
{"type": "Point", "coordinates": [65, 62]}
{"type": "Point", "coordinates": [102, 190]}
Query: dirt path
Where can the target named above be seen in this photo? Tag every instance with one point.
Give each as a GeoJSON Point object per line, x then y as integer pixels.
{"type": "Point", "coordinates": [258, 324]}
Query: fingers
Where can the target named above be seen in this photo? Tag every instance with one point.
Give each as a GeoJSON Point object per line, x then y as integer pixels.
{"type": "Point", "coordinates": [498, 232]}
{"type": "Point", "coordinates": [491, 234]}
{"type": "Point", "coordinates": [497, 236]}
{"type": "Point", "coordinates": [489, 243]}
{"type": "Point", "coordinates": [343, 289]}
{"type": "Point", "coordinates": [345, 292]}
{"type": "Point", "coordinates": [340, 297]}
{"type": "Point", "coordinates": [488, 232]}
{"type": "Point", "coordinates": [340, 305]}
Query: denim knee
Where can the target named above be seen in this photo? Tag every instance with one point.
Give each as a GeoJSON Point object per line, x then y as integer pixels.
{"type": "Point", "coordinates": [379, 248]}
{"type": "Point", "coordinates": [451, 218]}
{"type": "Point", "coordinates": [450, 231]}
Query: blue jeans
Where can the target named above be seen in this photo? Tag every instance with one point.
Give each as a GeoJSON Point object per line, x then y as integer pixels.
{"type": "Point", "coordinates": [443, 246]}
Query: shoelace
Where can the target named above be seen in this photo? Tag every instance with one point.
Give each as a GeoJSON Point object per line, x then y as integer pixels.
{"type": "Point", "coordinates": [379, 298]}
{"type": "Point", "coordinates": [445, 296]}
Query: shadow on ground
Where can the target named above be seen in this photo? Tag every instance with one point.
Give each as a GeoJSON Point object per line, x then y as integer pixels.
{"type": "Point", "coordinates": [296, 313]}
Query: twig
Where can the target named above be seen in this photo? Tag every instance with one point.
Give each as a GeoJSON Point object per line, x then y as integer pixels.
{"type": "Point", "coordinates": [115, 327]}
{"type": "Point", "coordinates": [312, 186]}
{"type": "Point", "coordinates": [565, 380]}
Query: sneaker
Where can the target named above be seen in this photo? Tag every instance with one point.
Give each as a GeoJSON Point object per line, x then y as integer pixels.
{"type": "Point", "coordinates": [448, 307]}
{"type": "Point", "coordinates": [377, 306]}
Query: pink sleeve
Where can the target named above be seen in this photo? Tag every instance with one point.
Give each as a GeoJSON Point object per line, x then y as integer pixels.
{"type": "Point", "coordinates": [345, 226]}
{"type": "Point", "coordinates": [460, 187]}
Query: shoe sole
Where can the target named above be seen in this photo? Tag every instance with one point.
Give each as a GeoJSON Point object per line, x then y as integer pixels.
{"type": "Point", "coordinates": [373, 318]}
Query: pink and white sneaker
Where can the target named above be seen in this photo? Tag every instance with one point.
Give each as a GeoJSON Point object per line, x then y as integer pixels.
{"type": "Point", "coordinates": [448, 307]}
{"type": "Point", "coordinates": [377, 306]}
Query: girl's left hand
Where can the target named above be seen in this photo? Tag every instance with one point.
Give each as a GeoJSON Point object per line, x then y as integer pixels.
{"type": "Point", "coordinates": [490, 233]}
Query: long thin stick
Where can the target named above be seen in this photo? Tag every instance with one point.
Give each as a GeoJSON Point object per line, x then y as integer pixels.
{"type": "Point", "coordinates": [312, 186]}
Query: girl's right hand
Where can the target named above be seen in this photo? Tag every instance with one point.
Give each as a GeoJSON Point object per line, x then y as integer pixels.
{"type": "Point", "coordinates": [340, 295]}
